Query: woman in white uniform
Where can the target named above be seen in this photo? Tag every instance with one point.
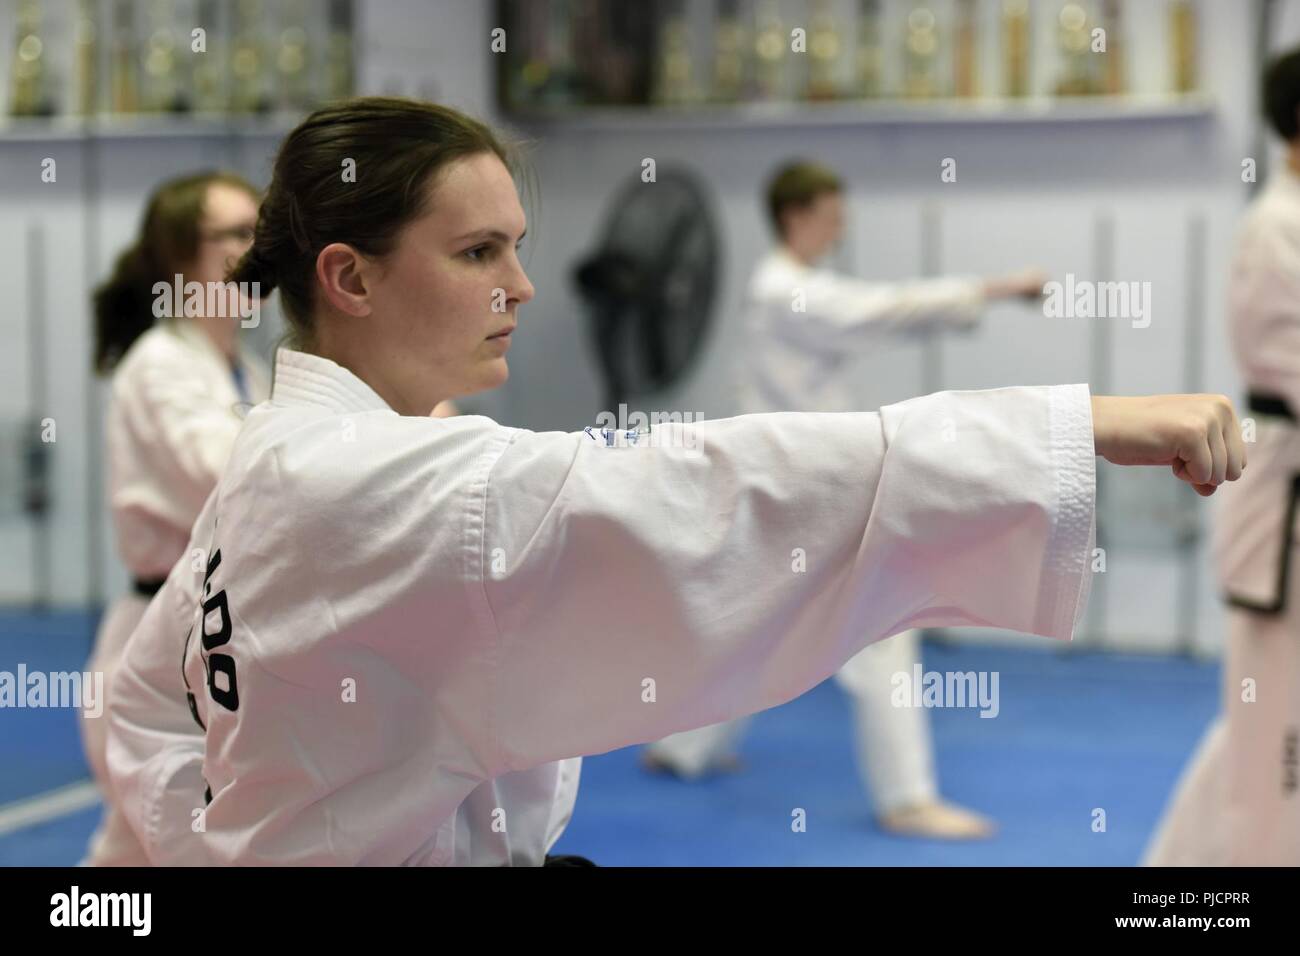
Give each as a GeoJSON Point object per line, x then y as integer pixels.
{"type": "Point", "coordinates": [407, 631]}
{"type": "Point", "coordinates": [806, 326]}
{"type": "Point", "coordinates": [1238, 803]}
{"type": "Point", "coordinates": [177, 390]}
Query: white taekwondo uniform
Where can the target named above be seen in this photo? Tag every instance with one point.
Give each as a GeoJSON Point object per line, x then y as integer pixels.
{"type": "Point", "coordinates": [174, 412]}
{"type": "Point", "coordinates": [408, 629]}
{"type": "Point", "coordinates": [1238, 803]}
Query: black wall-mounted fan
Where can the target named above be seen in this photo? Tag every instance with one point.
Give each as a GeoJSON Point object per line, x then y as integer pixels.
{"type": "Point", "coordinates": [650, 284]}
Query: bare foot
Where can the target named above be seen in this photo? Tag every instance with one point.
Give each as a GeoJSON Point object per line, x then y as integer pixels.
{"type": "Point", "coordinates": [937, 820]}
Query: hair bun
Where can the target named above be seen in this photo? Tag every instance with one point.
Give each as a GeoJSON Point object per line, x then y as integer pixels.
{"type": "Point", "coordinates": [254, 267]}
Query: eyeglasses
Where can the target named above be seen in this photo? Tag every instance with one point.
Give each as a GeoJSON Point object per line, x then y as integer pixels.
{"type": "Point", "coordinates": [241, 234]}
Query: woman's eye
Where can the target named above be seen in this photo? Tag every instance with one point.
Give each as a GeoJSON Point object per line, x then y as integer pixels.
{"type": "Point", "coordinates": [477, 253]}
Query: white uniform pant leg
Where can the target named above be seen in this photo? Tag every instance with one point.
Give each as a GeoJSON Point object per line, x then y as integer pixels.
{"type": "Point", "coordinates": [694, 752]}
{"type": "Point", "coordinates": [894, 747]}
{"type": "Point", "coordinates": [1262, 765]}
{"type": "Point", "coordinates": [113, 843]}
{"type": "Point", "coordinates": [1190, 832]}
{"type": "Point", "coordinates": [1238, 803]}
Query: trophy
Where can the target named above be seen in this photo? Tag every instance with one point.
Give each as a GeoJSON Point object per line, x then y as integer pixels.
{"type": "Point", "coordinates": [292, 60]}
{"type": "Point", "coordinates": [1182, 36]}
{"type": "Point", "coordinates": [209, 77]}
{"type": "Point", "coordinates": [161, 88]}
{"type": "Point", "coordinates": [769, 51]}
{"type": "Point", "coordinates": [823, 53]}
{"type": "Point", "coordinates": [1074, 42]}
{"type": "Point", "coordinates": [870, 55]}
{"type": "Point", "coordinates": [965, 78]}
{"type": "Point", "coordinates": [673, 62]}
{"type": "Point", "coordinates": [729, 54]}
{"type": "Point", "coordinates": [124, 84]}
{"type": "Point", "coordinates": [1015, 48]}
{"type": "Point", "coordinates": [86, 59]}
{"type": "Point", "coordinates": [31, 95]}
{"type": "Point", "coordinates": [338, 76]}
{"type": "Point", "coordinates": [1113, 66]}
{"type": "Point", "coordinates": [921, 54]}
{"type": "Point", "coordinates": [248, 60]}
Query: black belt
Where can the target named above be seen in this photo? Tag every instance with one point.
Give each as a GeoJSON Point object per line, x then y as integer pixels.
{"type": "Point", "coordinates": [1275, 405]}
{"type": "Point", "coordinates": [147, 588]}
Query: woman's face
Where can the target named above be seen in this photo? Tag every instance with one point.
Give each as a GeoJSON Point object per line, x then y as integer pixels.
{"type": "Point", "coordinates": [225, 232]}
{"type": "Point", "coordinates": [445, 299]}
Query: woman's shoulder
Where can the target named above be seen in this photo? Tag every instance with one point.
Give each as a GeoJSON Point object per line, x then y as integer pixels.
{"type": "Point", "coordinates": [160, 345]}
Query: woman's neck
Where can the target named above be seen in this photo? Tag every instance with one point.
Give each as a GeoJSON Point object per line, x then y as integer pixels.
{"type": "Point", "coordinates": [222, 333]}
{"type": "Point", "coordinates": [366, 365]}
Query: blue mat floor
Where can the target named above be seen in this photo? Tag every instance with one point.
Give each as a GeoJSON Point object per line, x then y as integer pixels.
{"type": "Point", "coordinates": [1076, 732]}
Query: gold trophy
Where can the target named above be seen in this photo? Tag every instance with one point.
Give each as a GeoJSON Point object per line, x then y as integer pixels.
{"type": "Point", "coordinates": [965, 72]}
{"type": "Point", "coordinates": [823, 53]}
{"type": "Point", "coordinates": [1075, 43]}
{"type": "Point", "coordinates": [870, 55]}
{"type": "Point", "coordinates": [339, 79]}
{"type": "Point", "coordinates": [86, 59]}
{"type": "Point", "coordinates": [1113, 79]}
{"type": "Point", "coordinates": [209, 77]}
{"type": "Point", "coordinates": [293, 58]}
{"type": "Point", "coordinates": [30, 94]}
{"type": "Point", "coordinates": [124, 83]}
{"type": "Point", "coordinates": [1182, 36]}
{"type": "Point", "coordinates": [921, 54]}
{"type": "Point", "coordinates": [1015, 48]}
{"type": "Point", "coordinates": [770, 46]}
{"type": "Point", "coordinates": [729, 54]}
{"type": "Point", "coordinates": [673, 84]}
{"type": "Point", "coordinates": [559, 90]}
{"type": "Point", "coordinates": [161, 88]}
{"type": "Point", "coordinates": [247, 60]}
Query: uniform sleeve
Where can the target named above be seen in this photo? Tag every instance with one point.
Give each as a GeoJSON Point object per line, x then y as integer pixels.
{"type": "Point", "coordinates": [842, 313]}
{"type": "Point", "coordinates": [155, 746]}
{"type": "Point", "coordinates": [630, 592]}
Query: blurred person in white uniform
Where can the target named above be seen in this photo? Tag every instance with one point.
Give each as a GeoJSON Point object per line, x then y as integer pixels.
{"type": "Point", "coordinates": [407, 631]}
{"type": "Point", "coordinates": [806, 325]}
{"type": "Point", "coordinates": [179, 388]}
{"type": "Point", "coordinates": [1238, 803]}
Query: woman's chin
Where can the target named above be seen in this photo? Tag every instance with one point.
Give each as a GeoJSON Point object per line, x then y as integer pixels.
{"type": "Point", "coordinates": [491, 374]}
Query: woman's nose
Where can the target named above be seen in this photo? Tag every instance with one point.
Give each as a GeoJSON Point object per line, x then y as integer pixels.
{"type": "Point", "coordinates": [522, 287]}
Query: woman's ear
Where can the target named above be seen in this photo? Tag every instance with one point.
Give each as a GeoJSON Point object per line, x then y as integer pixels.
{"type": "Point", "coordinates": [340, 270]}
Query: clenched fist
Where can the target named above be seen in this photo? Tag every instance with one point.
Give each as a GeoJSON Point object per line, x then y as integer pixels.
{"type": "Point", "coordinates": [1198, 436]}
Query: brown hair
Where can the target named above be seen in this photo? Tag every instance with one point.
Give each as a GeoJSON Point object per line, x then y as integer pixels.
{"type": "Point", "coordinates": [395, 146]}
{"type": "Point", "coordinates": [1281, 94]}
{"type": "Point", "coordinates": [798, 184]}
{"type": "Point", "coordinates": [167, 242]}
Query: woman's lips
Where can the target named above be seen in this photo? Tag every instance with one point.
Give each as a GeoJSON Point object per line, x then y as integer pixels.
{"type": "Point", "coordinates": [503, 332]}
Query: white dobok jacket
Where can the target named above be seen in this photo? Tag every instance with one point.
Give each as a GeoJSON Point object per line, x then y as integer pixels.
{"type": "Point", "coordinates": [407, 629]}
